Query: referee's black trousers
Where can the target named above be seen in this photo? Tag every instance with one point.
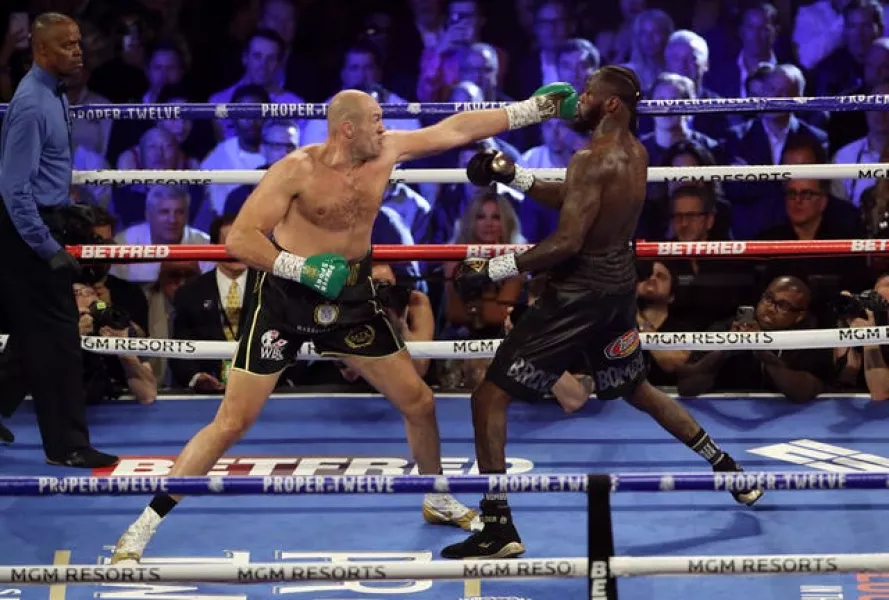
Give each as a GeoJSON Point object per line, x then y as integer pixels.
{"type": "Point", "coordinates": [44, 356]}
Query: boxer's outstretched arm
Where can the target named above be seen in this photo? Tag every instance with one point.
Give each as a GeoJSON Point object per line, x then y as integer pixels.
{"type": "Point", "coordinates": [267, 205]}
{"type": "Point", "coordinates": [455, 131]}
{"type": "Point", "coordinates": [585, 180]}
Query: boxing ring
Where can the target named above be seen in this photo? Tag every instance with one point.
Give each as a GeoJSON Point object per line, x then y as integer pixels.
{"type": "Point", "coordinates": [607, 503]}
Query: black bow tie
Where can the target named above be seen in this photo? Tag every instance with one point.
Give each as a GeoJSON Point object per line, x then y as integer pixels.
{"type": "Point", "coordinates": [61, 88]}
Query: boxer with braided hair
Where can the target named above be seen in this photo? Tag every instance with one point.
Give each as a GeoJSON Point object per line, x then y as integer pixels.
{"type": "Point", "coordinates": [585, 319]}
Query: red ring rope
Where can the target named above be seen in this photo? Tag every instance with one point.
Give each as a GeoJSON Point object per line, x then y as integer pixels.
{"type": "Point", "coordinates": [393, 253]}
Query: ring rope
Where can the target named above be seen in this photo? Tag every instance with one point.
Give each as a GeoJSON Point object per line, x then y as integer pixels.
{"type": "Point", "coordinates": [446, 349]}
{"type": "Point", "coordinates": [739, 173]}
{"type": "Point", "coordinates": [445, 252]}
{"type": "Point", "coordinates": [158, 112]}
{"type": "Point", "coordinates": [313, 485]}
{"type": "Point", "coordinates": [533, 568]}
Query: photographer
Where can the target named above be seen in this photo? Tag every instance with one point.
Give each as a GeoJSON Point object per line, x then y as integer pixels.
{"type": "Point", "coordinates": [107, 377]}
{"type": "Point", "coordinates": [784, 306]}
{"type": "Point", "coordinates": [868, 309]}
{"type": "Point", "coordinates": [410, 312]}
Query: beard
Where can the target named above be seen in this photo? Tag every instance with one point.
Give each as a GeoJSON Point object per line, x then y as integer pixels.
{"type": "Point", "coordinates": [586, 123]}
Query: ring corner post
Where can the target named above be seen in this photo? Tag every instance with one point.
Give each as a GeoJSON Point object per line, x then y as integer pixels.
{"type": "Point", "coordinates": [600, 539]}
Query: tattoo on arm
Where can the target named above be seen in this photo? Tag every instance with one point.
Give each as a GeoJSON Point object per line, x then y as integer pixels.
{"type": "Point", "coordinates": [585, 180]}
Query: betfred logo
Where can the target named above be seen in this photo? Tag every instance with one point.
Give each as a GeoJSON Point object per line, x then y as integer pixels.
{"type": "Point", "coordinates": [262, 466]}
{"type": "Point", "coordinates": [623, 346]}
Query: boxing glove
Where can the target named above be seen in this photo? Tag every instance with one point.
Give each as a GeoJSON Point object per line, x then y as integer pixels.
{"type": "Point", "coordinates": [325, 273]}
{"type": "Point", "coordinates": [489, 166]}
{"type": "Point", "coordinates": [551, 100]}
{"type": "Point", "coordinates": [473, 274]}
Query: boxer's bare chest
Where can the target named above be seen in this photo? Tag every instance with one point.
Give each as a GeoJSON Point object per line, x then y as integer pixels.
{"type": "Point", "coordinates": [339, 201]}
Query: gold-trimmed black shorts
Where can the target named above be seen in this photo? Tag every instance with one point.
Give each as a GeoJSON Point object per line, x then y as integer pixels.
{"type": "Point", "coordinates": [282, 315]}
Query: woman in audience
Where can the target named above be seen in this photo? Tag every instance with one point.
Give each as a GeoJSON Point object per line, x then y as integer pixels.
{"type": "Point", "coordinates": [651, 30]}
{"type": "Point", "coordinates": [488, 219]}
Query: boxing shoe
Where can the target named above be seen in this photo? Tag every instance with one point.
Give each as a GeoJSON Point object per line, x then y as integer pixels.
{"type": "Point", "coordinates": [498, 538]}
{"type": "Point", "coordinates": [444, 509]}
{"type": "Point", "coordinates": [726, 464]}
{"type": "Point", "coordinates": [131, 545]}
{"type": "Point", "coordinates": [84, 458]}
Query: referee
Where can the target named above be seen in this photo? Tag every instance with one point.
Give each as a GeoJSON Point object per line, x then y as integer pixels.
{"type": "Point", "coordinates": [36, 274]}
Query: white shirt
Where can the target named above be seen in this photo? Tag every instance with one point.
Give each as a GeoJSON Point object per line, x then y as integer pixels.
{"type": "Point", "coordinates": [228, 154]}
{"type": "Point", "coordinates": [277, 96]}
{"type": "Point", "coordinates": [85, 159]}
{"type": "Point", "coordinates": [745, 73]}
{"type": "Point", "coordinates": [224, 284]}
{"type": "Point", "coordinates": [777, 139]}
{"type": "Point", "coordinates": [817, 31]}
{"type": "Point", "coordinates": [855, 152]}
{"type": "Point", "coordinates": [140, 234]}
{"type": "Point", "coordinates": [540, 157]}
{"type": "Point", "coordinates": [315, 131]}
{"type": "Point", "coordinates": [407, 203]}
{"type": "Point", "coordinates": [92, 134]}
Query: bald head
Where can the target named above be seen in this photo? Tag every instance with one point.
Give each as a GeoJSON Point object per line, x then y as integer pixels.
{"type": "Point", "coordinates": [355, 121]}
{"type": "Point", "coordinates": [795, 284]}
{"type": "Point", "coordinates": [55, 43]}
{"type": "Point", "coordinates": [348, 105]}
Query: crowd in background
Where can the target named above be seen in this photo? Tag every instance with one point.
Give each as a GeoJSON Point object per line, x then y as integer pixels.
{"type": "Point", "coordinates": [289, 51]}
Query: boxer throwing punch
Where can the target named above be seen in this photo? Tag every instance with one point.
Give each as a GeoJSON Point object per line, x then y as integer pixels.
{"type": "Point", "coordinates": [585, 318]}
{"type": "Point", "coordinates": [319, 204]}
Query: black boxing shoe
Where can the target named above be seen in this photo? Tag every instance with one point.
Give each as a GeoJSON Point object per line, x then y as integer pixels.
{"type": "Point", "coordinates": [726, 464]}
{"type": "Point", "coordinates": [498, 538]}
{"type": "Point", "coordinates": [85, 458]}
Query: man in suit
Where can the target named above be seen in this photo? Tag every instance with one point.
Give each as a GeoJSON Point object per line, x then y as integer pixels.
{"type": "Point", "coordinates": [209, 308]}
{"type": "Point", "coordinates": [761, 141]}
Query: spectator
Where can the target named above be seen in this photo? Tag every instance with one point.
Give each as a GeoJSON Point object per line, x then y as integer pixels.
{"type": "Point", "coordinates": [361, 70]}
{"type": "Point", "coordinates": [552, 26]}
{"type": "Point", "coordinates": [560, 142]}
{"type": "Point", "coordinates": [758, 32]}
{"type": "Point", "coordinates": [465, 21]}
{"type": "Point", "coordinates": [296, 69]}
{"type": "Point", "coordinates": [489, 219]}
{"type": "Point", "coordinates": [279, 138]}
{"type": "Point", "coordinates": [760, 141]}
{"type": "Point", "coordinates": [818, 30]}
{"type": "Point", "coordinates": [261, 60]}
{"type": "Point", "coordinates": [655, 297]}
{"type": "Point", "coordinates": [209, 308]}
{"type": "Point", "coordinates": [687, 54]}
{"type": "Point", "coordinates": [577, 60]}
{"type": "Point", "coordinates": [412, 208]}
{"type": "Point", "coordinates": [108, 377]}
{"type": "Point", "coordinates": [92, 134]}
{"type": "Point", "coordinates": [239, 152]}
{"type": "Point", "coordinates": [651, 30]}
{"type": "Point", "coordinates": [166, 65]}
{"type": "Point", "coordinates": [844, 67]}
{"type": "Point", "coordinates": [171, 276]}
{"type": "Point", "coordinates": [481, 66]}
{"type": "Point", "coordinates": [166, 213]}
{"type": "Point", "coordinates": [868, 149]}
{"type": "Point", "coordinates": [157, 150]}
{"type": "Point", "coordinates": [616, 45]}
{"type": "Point", "coordinates": [847, 126]}
{"type": "Point", "coordinates": [875, 373]}
{"type": "Point", "coordinates": [797, 374]}
{"type": "Point", "coordinates": [112, 289]}
{"type": "Point", "coordinates": [875, 205]}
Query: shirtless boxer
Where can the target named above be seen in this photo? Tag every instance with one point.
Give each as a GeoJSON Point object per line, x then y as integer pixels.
{"type": "Point", "coordinates": [585, 318]}
{"type": "Point", "coordinates": [306, 230]}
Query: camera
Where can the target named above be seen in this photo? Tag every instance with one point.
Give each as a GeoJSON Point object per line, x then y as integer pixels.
{"type": "Point", "coordinates": [851, 307]}
{"type": "Point", "coordinates": [393, 296]}
{"type": "Point", "coordinates": [108, 316]}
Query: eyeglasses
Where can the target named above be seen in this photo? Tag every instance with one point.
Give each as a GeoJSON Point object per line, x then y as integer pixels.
{"type": "Point", "coordinates": [782, 305]}
{"type": "Point", "coordinates": [687, 215]}
{"type": "Point", "coordinates": [803, 195]}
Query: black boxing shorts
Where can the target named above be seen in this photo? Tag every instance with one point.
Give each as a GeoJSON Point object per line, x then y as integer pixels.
{"type": "Point", "coordinates": [282, 315]}
{"type": "Point", "coordinates": [578, 325]}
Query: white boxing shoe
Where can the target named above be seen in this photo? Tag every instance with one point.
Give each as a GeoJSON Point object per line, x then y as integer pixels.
{"type": "Point", "coordinates": [131, 545]}
{"type": "Point", "coordinates": [444, 509]}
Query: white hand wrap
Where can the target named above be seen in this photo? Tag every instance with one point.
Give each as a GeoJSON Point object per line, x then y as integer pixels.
{"type": "Point", "coordinates": [288, 266]}
{"type": "Point", "coordinates": [502, 267]}
{"type": "Point", "coordinates": [529, 112]}
{"type": "Point", "coordinates": [523, 180]}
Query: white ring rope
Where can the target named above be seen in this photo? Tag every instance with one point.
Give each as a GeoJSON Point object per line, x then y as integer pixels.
{"type": "Point", "coordinates": [537, 568]}
{"type": "Point", "coordinates": [679, 174]}
{"type": "Point", "coordinates": [728, 340]}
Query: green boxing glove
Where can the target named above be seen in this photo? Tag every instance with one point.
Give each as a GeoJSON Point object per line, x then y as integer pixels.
{"type": "Point", "coordinates": [557, 99]}
{"type": "Point", "coordinates": [325, 273]}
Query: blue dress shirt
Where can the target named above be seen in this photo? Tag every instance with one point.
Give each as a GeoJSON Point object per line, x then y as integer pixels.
{"type": "Point", "coordinates": [35, 157]}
